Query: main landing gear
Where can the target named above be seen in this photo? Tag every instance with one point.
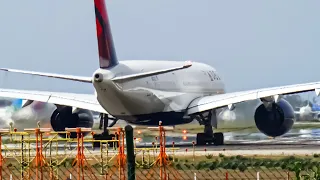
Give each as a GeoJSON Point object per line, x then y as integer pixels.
{"type": "Point", "coordinates": [105, 135]}
{"type": "Point", "coordinates": [209, 120]}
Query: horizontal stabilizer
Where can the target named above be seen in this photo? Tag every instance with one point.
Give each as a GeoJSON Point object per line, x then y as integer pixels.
{"type": "Point", "coordinates": [151, 73]}
{"type": "Point", "coordinates": [58, 76]}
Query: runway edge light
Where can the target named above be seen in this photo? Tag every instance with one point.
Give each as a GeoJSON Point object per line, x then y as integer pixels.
{"type": "Point", "coordinates": [184, 131]}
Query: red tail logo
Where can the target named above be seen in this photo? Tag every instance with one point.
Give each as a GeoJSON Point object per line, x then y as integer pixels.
{"type": "Point", "coordinates": [107, 53]}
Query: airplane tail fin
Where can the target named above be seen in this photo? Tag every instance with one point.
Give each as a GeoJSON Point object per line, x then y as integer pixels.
{"type": "Point", "coordinates": [17, 103]}
{"type": "Point", "coordinates": [107, 53]}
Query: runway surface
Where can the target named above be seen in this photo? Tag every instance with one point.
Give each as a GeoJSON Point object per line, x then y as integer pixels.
{"type": "Point", "coordinates": [297, 142]}
{"type": "Point", "coordinates": [300, 142]}
{"type": "Point", "coordinates": [303, 136]}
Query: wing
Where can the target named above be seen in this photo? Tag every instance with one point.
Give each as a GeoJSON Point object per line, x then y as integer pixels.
{"type": "Point", "coordinates": [83, 101]}
{"type": "Point", "coordinates": [210, 102]}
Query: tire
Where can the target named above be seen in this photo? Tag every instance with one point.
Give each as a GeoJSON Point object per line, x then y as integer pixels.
{"type": "Point", "coordinates": [201, 139]}
{"type": "Point", "coordinates": [104, 137]}
{"type": "Point", "coordinates": [218, 139]}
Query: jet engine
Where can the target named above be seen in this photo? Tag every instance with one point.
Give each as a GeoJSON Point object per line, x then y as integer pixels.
{"type": "Point", "coordinates": [275, 119]}
{"type": "Point", "coordinates": [63, 117]}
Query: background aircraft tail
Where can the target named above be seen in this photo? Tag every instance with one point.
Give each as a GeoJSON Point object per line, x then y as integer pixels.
{"type": "Point", "coordinates": [107, 53]}
{"type": "Point", "coordinates": [17, 103]}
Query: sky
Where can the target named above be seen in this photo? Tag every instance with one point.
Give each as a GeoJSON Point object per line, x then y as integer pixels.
{"type": "Point", "coordinates": [252, 44]}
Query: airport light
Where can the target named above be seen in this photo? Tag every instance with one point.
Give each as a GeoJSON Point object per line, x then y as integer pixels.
{"type": "Point", "coordinates": [184, 131]}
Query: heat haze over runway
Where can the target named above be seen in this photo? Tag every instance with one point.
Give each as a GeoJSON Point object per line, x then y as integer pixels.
{"type": "Point", "coordinates": [294, 137]}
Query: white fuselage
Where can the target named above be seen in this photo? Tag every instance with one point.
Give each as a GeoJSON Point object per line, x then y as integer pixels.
{"type": "Point", "coordinates": [162, 93]}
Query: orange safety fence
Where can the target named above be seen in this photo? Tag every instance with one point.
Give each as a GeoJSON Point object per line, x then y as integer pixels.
{"type": "Point", "coordinates": [40, 153]}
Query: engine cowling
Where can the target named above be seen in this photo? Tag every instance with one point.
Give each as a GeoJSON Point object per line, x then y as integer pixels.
{"type": "Point", "coordinates": [64, 117]}
{"type": "Point", "coordinates": [276, 120]}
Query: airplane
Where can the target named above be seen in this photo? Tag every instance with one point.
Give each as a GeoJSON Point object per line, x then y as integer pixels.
{"type": "Point", "coordinates": [309, 112]}
{"type": "Point", "coordinates": [7, 108]}
{"type": "Point", "coordinates": [145, 92]}
{"type": "Point", "coordinates": [23, 115]}
{"type": "Point", "coordinates": [29, 115]}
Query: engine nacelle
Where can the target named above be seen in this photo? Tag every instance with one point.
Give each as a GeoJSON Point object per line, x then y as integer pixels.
{"type": "Point", "coordinates": [276, 120]}
{"type": "Point", "coordinates": [64, 117]}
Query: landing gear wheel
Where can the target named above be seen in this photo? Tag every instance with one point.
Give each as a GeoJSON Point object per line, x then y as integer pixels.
{"type": "Point", "coordinates": [104, 136]}
{"type": "Point", "coordinates": [201, 139]}
{"type": "Point", "coordinates": [104, 122]}
{"type": "Point", "coordinates": [209, 120]}
{"type": "Point", "coordinates": [218, 139]}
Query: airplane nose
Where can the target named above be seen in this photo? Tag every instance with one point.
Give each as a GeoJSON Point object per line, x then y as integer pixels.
{"type": "Point", "coordinates": [98, 77]}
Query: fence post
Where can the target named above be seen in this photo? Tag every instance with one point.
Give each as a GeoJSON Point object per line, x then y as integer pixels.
{"type": "Point", "coordinates": [258, 177]}
{"type": "Point", "coordinates": [1, 158]}
{"type": "Point", "coordinates": [227, 175]}
{"type": "Point", "coordinates": [193, 150]}
{"type": "Point", "coordinates": [130, 152]}
{"type": "Point", "coordinates": [195, 176]}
